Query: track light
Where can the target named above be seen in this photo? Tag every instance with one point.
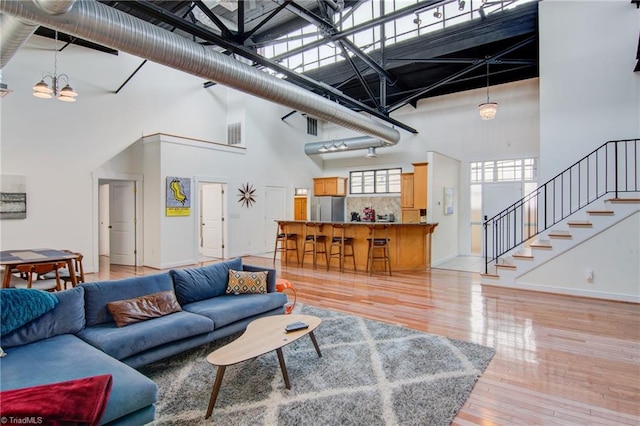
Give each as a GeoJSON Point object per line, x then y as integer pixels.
{"type": "Point", "coordinates": [342, 146]}
{"type": "Point", "coordinates": [333, 147]}
{"type": "Point", "coordinates": [323, 148]}
{"type": "Point", "coordinates": [461, 4]}
{"type": "Point", "coordinates": [417, 21]}
{"type": "Point", "coordinates": [437, 13]}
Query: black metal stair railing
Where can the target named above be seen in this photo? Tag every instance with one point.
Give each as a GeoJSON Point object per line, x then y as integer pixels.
{"type": "Point", "coordinates": [610, 169]}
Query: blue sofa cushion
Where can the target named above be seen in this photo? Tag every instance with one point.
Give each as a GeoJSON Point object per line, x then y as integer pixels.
{"type": "Point", "coordinates": [66, 317]}
{"type": "Point", "coordinates": [122, 342]}
{"type": "Point", "coordinates": [230, 308]}
{"type": "Point", "coordinates": [66, 357]}
{"type": "Point", "coordinates": [204, 282]}
{"type": "Point", "coordinates": [98, 294]}
{"type": "Point", "coordinates": [18, 306]}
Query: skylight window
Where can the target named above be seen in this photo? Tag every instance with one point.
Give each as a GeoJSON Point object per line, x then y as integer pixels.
{"type": "Point", "coordinates": [450, 12]}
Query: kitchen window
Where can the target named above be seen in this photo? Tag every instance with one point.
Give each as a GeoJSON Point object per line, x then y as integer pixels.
{"type": "Point", "coordinates": [381, 181]}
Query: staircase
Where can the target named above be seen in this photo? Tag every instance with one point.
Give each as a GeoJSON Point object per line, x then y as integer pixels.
{"type": "Point", "coordinates": [593, 195]}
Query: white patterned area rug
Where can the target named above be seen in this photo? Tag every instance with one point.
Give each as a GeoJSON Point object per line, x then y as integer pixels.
{"type": "Point", "coordinates": [370, 373]}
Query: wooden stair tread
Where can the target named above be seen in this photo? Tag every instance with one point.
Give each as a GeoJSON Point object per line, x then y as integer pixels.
{"type": "Point", "coordinates": [544, 244]}
{"type": "Point", "coordinates": [506, 266]}
{"type": "Point", "coordinates": [623, 200]}
{"type": "Point", "coordinates": [522, 256]}
{"type": "Point", "coordinates": [493, 276]}
{"type": "Point", "coordinates": [580, 223]}
{"type": "Point", "coordinates": [600, 212]}
{"type": "Point", "coordinates": [560, 234]}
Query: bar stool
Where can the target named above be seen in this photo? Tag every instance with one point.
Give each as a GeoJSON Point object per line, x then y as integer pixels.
{"type": "Point", "coordinates": [283, 238]}
{"type": "Point", "coordinates": [313, 242]}
{"type": "Point", "coordinates": [379, 241]}
{"type": "Point", "coordinates": [340, 241]}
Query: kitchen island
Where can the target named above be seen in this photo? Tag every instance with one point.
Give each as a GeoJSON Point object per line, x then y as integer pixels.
{"type": "Point", "coordinates": [410, 243]}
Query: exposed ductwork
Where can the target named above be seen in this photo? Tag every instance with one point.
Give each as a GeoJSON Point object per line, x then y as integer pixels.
{"type": "Point", "coordinates": [352, 144]}
{"type": "Point", "coordinates": [110, 27]}
{"type": "Point", "coordinates": [15, 31]}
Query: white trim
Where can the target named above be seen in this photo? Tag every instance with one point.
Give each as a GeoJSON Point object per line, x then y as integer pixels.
{"type": "Point", "coordinates": [569, 291]}
{"type": "Point", "coordinates": [138, 179]}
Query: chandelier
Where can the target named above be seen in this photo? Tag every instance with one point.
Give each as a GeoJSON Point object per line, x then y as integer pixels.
{"type": "Point", "coordinates": [488, 109]}
{"type": "Point", "coordinates": [60, 87]}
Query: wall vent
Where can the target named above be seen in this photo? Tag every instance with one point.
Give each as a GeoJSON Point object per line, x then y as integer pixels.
{"type": "Point", "coordinates": [312, 126]}
{"type": "Point", "coordinates": [234, 134]}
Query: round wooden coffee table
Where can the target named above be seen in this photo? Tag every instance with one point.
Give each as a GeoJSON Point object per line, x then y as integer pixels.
{"type": "Point", "coordinates": [261, 336]}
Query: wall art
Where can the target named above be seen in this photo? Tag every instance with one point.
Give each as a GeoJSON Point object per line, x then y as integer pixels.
{"type": "Point", "coordinates": [448, 200]}
{"type": "Point", "coordinates": [13, 197]}
{"type": "Point", "coordinates": [178, 196]}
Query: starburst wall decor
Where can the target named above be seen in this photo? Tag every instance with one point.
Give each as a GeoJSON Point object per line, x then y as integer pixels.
{"type": "Point", "coordinates": [246, 193]}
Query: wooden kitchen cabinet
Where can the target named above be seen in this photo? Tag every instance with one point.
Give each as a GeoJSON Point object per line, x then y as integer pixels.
{"type": "Point", "coordinates": [420, 185]}
{"type": "Point", "coordinates": [406, 190]}
{"type": "Point", "coordinates": [333, 186]}
{"type": "Point", "coordinates": [410, 215]}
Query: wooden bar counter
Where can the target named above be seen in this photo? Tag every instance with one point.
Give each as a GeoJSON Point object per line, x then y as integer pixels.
{"type": "Point", "coordinates": [410, 243]}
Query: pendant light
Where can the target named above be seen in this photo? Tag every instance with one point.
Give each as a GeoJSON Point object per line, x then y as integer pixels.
{"type": "Point", "coordinates": [62, 93]}
{"type": "Point", "coordinates": [488, 109]}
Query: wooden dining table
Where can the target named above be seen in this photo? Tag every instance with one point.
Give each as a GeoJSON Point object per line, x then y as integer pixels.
{"type": "Point", "coordinates": [12, 258]}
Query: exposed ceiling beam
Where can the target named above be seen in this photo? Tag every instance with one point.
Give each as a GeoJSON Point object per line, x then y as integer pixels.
{"type": "Point", "coordinates": [299, 79]}
{"type": "Point", "coordinates": [328, 29]}
{"type": "Point", "coordinates": [46, 32]}
{"type": "Point", "coordinates": [467, 70]}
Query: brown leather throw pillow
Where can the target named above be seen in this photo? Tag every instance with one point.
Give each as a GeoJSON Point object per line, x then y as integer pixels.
{"type": "Point", "coordinates": [142, 308]}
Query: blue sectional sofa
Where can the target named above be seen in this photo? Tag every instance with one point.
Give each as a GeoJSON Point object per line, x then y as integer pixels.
{"type": "Point", "coordinates": [79, 338]}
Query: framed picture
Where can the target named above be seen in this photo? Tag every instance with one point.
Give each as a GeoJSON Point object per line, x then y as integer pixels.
{"type": "Point", "coordinates": [178, 196]}
{"type": "Point", "coordinates": [448, 200]}
{"type": "Point", "coordinates": [13, 197]}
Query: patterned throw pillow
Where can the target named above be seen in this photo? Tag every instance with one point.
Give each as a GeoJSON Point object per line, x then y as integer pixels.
{"type": "Point", "coordinates": [245, 282]}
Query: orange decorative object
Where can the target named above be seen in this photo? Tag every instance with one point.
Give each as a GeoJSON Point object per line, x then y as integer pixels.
{"type": "Point", "coordinates": [281, 286]}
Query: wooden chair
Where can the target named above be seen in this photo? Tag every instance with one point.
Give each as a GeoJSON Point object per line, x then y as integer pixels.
{"type": "Point", "coordinates": [314, 243]}
{"type": "Point", "coordinates": [285, 242]}
{"type": "Point", "coordinates": [64, 274]}
{"type": "Point", "coordinates": [379, 247]}
{"type": "Point", "coordinates": [340, 241]}
{"type": "Point", "coordinates": [34, 273]}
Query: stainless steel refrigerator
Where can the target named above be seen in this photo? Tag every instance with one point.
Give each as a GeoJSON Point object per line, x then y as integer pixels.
{"type": "Point", "coordinates": [327, 209]}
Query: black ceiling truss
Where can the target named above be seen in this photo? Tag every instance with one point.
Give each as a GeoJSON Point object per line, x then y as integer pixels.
{"type": "Point", "coordinates": [374, 80]}
{"type": "Point", "coordinates": [188, 12]}
{"type": "Point", "coordinates": [492, 59]}
{"type": "Point", "coordinates": [164, 15]}
{"type": "Point", "coordinates": [226, 32]}
{"type": "Point", "coordinates": [329, 30]}
{"type": "Point", "coordinates": [356, 71]}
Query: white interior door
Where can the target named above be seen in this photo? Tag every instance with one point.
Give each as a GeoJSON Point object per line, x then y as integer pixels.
{"type": "Point", "coordinates": [122, 226]}
{"type": "Point", "coordinates": [275, 203]}
{"type": "Point", "coordinates": [495, 198]}
{"type": "Point", "coordinates": [211, 220]}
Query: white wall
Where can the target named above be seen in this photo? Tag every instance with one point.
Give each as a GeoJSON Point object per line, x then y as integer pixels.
{"type": "Point", "coordinates": [63, 149]}
{"type": "Point", "coordinates": [589, 93]}
{"type": "Point", "coordinates": [268, 158]}
{"type": "Point", "coordinates": [451, 126]}
{"type": "Point", "coordinates": [444, 172]}
{"type": "Point", "coordinates": [612, 256]}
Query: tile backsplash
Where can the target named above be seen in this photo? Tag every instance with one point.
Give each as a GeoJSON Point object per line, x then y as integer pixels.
{"type": "Point", "coordinates": [382, 205]}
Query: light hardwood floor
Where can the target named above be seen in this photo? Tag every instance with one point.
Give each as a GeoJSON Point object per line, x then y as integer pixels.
{"type": "Point", "coordinates": [559, 360]}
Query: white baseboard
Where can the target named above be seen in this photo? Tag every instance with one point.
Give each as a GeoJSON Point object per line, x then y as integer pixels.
{"type": "Point", "coordinates": [569, 291]}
